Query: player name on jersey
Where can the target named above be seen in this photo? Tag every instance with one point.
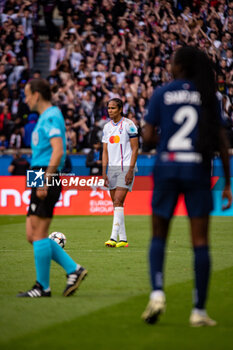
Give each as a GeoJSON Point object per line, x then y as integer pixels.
{"type": "Point", "coordinates": [182, 96]}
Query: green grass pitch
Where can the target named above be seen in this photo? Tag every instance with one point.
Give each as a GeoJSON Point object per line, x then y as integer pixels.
{"type": "Point", "coordinates": [105, 312]}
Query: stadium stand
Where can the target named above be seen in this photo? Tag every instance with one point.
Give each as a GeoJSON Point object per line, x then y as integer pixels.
{"type": "Point", "coordinates": [94, 50]}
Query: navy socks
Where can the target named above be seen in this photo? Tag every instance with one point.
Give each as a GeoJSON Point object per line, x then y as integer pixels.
{"type": "Point", "coordinates": [156, 257]}
{"type": "Point", "coordinates": [201, 269]}
{"type": "Point", "coordinates": [202, 273]}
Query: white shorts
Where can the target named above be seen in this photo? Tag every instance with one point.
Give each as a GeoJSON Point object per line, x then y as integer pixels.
{"type": "Point", "coordinates": [117, 179]}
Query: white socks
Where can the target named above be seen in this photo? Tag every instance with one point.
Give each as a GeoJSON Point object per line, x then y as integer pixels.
{"type": "Point", "coordinates": [157, 294]}
{"type": "Point", "coordinates": [201, 312]}
{"type": "Point", "coordinates": [118, 227]}
{"type": "Point", "coordinates": [122, 233]}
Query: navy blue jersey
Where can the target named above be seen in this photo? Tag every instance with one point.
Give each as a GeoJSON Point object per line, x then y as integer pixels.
{"type": "Point", "coordinates": [175, 108]}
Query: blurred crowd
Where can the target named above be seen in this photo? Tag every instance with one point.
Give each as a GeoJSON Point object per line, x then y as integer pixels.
{"type": "Point", "coordinates": [106, 49]}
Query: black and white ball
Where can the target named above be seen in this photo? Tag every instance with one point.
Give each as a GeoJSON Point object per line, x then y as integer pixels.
{"type": "Point", "coordinates": [59, 238]}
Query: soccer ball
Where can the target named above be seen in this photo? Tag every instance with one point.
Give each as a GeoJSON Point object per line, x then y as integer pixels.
{"type": "Point", "coordinates": [59, 238]}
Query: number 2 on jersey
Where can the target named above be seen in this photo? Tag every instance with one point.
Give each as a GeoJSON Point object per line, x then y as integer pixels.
{"type": "Point", "coordinates": [180, 140]}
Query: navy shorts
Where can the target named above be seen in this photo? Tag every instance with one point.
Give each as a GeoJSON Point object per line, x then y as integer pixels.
{"type": "Point", "coordinates": [197, 195]}
{"type": "Point", "coordinates": [44, 208]}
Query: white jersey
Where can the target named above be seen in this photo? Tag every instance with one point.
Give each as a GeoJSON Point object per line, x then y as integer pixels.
{"type": "Point", "coordinates": [117, 136]}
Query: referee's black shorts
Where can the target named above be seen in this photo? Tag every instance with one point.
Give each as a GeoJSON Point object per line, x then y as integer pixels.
{"type": "Point", "coordinates": [44, 208]}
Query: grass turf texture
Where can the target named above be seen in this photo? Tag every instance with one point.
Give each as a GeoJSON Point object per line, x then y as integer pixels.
{"type": "Point", "coordinates": [105, 312]}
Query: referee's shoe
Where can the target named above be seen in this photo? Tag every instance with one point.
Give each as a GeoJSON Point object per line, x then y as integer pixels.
{"type": "Point", "coordinates": [36, 292]}
{"type": "Point", "coordinates": [73, 281]}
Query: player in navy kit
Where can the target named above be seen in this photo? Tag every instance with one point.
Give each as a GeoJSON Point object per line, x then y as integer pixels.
{"type": "Point", "coordinates": [188, 115]}
{"type": "Point", "coordinates": [48, 155]}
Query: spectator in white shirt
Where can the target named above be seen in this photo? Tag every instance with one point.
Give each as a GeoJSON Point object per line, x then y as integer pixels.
{"type": "Point", "coordinates": [57, 54]}
{"type": "Point", "coordinates": [119, 74]}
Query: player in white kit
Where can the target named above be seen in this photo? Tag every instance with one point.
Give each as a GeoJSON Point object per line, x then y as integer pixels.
{"type": "Point", "coordinates": [120, 150]}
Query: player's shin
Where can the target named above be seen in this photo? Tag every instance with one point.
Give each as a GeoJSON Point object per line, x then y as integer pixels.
{"type": "Point", "coordinates": [122, 232]}
{"type": "Point", "coordinates": [42, 255]}
{"type": "Point", "coordinates": [62, 258]}
{"type": "Point", "coordinates": [117, 219]}
{"type": "Point", "coordinates": [202, 273]}
{"type": "Point", "coordinates": [156, 258]}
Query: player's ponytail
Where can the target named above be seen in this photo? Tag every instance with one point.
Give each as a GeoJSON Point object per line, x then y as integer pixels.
{"type": "Point", "coordinates": [209, 126]}
{"type": "Point", "coordinates": [198, 68]}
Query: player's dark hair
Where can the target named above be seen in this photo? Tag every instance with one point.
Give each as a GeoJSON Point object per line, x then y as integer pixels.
{"type": "Point", "coordinates": [42, 86]}
{"type": "Point", "coordinates": [196, 66]}
{"type": "Point", "coordinates": [118, 102]}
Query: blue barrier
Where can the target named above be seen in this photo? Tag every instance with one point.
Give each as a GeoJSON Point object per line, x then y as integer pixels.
{"type": "Point", "coordinates": [145, 164]}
